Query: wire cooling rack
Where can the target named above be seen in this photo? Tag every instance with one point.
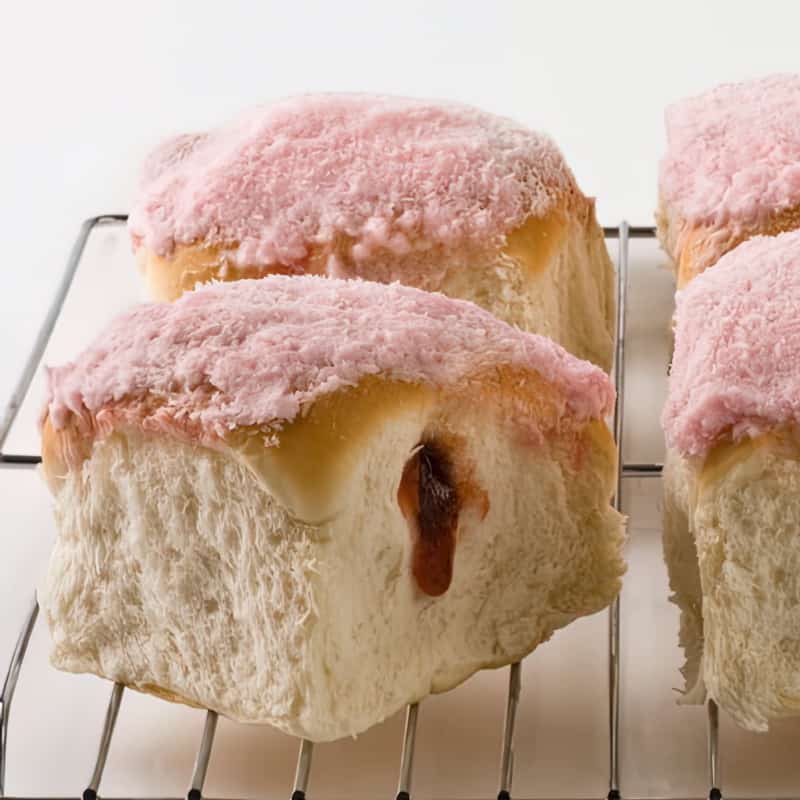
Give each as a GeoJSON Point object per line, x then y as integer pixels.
{"type": "Point", "coordinates": [623, 233]}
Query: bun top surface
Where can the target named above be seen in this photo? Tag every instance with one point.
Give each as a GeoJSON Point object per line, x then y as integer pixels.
{"type": "Point", "coordinates": [733, 153]}
{"type": "Point", "coordinates": [257, 352]}
{"type": "Point", "coordinates": [388, 172]}
{"type": "Point", "coordinates": [737, 347]}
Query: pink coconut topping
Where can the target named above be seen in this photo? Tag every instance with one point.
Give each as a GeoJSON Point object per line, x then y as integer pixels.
{"type": "Point", "coordinates": [386, 171]}
{"type": "Point", "coordinates": [733, 153]}
{"type": "Point", "coordinates": [257, 352]}
{"type": "Point", "coordinates": [737, 347]}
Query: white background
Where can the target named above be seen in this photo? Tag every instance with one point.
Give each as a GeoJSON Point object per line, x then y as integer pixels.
{"type": "Point", "coordinates": [89, 87]}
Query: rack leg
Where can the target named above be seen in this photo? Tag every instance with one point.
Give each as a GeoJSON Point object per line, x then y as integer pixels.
{"type": "Point", "coordinates": [507, 758]}
{"type": "Point", "coordinates": [619, 416]}
{"type": "Point", "coordinates": [712, 715]}
{"type": "Point", "coordinates": [43, 336]}
{"type": "Point", "coordinates": [303, 770]}
{"type": "Point", "coordinates": [90, 793]}
{"type": "Point", "coordinates": [203, 755]}
{"type": "Point", "coordinates": [10, 685]}
{"type": "Point", "coordinates": [613, 698]}
{"type": "Point", "coordinates": [407, 757]}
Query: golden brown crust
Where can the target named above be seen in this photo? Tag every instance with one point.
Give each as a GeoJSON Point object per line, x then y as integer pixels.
{"type": "Point", "coordinates": [164, 694]}
{"type": "Point", "coordinates": [536, 241]}
{"type": "Point", "coordinates": [727, 454]}
{"type": "Point", "coordinates": [53, 466]}
{"type": "Point", "coordinates": [305, 461]}
{"type": "Point", "coordinates": [694, 250]}
{"type": "Point", "coordinates": [62, 449]}
{"type": "Point", "coordinates": [168, 278]}
{"type": "Point", "coordinates": [310, 455]}
{"type": "Point", "coordinates": [533, 245]}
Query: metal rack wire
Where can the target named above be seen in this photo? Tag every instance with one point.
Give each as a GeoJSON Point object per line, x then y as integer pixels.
{"type": "Point", "coordinates": [623, 233]}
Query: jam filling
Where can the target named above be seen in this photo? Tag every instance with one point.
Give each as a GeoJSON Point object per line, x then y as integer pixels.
{"type": "Point", "coordinates": [430, 502]}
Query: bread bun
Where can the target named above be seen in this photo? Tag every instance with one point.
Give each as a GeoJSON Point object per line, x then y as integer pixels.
{"type": "Point", "coordinates": [307, 502]}
{"type": "Point", "coordinates": [435, 195]}
{"type": "Point", "coordinates": [732, 422]}
{"type": "Point", "coordinates": [731, 170]}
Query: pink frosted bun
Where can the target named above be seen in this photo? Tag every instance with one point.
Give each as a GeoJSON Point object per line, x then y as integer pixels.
{"type": "Point", "coordinates": [386, 172]}
{"type": "Point", "coordinates": [734, 152]}
{"type": "Point", "coordinates": [256, 352]}
{"type": "Point", "coordinates": [737, 347]}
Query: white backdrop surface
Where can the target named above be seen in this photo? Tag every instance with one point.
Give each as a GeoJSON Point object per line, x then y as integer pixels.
{"type": "Point", "coordinates": [89, 87]}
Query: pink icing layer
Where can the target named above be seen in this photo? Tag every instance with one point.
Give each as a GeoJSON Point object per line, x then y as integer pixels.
{"type": "Point", "coordinates": [256, 352]}
{"type": "Point", "coordinates": [733, 153]}
{"type": "Point", "coordinates": [737, 347]}
{"type": "Point", "coordinates": [389, 172]}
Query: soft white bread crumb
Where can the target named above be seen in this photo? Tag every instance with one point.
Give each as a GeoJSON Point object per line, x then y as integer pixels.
{"type": "Point", "coordinates": [555, 279]}
{"type": "Point", "coordinates": [680, 554]}
{"type": "Point", "coordinates": [747, 534]}
{"type": "Point", "coordinates": [188, 572]}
